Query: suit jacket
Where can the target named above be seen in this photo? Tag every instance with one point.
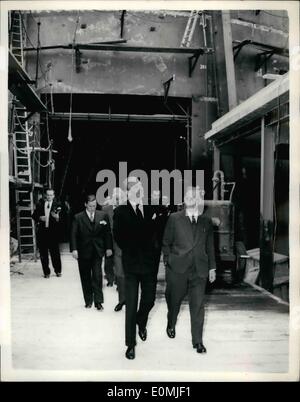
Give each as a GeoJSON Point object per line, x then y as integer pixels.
{"type": "Point", "coordinates": [135, 238]}
{"type": "Point", "coordinates": [181, 250]}
{"type": "Point", "coordinates": [162, 214]}
{"type": "Point", "coordinates": [54, 226]}
{"type": "Point", "coordinates": [118, 268]}
{"type": "Point", "coordinates": [87, 237]}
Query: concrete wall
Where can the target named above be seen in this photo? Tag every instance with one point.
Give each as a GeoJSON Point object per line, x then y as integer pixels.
{"type": "Point", "coordinates": [121, 72]}
{"type": "Point", "coordinates": [114, 72]}
{"type": "Point", "coordinates": [144, 73]}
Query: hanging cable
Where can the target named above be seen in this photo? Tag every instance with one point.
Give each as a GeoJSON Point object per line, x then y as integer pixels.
{"type": "Point", "coordinates": [70, 138]}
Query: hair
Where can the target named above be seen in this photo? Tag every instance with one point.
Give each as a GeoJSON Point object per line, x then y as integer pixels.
{"type": "Point", "coordinates": [130, 179]}
{"type": "Point", "coordinates": [89, 198]}
{"type": "Point", "coordinates": [49, 189]}
{"type": "Point", "coordinates": [194, 188]}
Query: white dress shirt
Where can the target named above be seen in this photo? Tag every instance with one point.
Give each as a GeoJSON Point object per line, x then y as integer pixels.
{"type": "Point", "coordinates": [90, 215]}
{"type": "Point", "coordinates": [191, 213]}
{"type": "Point", "coordinates": [47, 209]}
{"type": "Point", "coordinates": [134, 204]}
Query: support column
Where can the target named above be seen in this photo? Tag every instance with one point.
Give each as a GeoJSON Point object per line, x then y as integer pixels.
{"type": "Point", "coordinates": [217, 158]}
{"type": "Point", "coordinates": [266, 207]}
{"type": "Point", "coordinates": [229, 60]}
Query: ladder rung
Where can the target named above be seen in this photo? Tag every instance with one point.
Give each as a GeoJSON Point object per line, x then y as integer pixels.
{"type": "Point", "coordinates": [24, 208]}
{"type": "Point", "coordinates": [26, 227]}
{"type": "Point", "coordinates": [25, 236]}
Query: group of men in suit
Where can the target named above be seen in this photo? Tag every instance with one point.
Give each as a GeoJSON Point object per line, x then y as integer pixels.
{"type": "Point", "coordinates": [131, 234]}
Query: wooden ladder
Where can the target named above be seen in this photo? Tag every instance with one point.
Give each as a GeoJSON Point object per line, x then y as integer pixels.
{"type": "Point", "coordinates": [23, 192]}
{"type": "Point", "coordinates": [189, 29]}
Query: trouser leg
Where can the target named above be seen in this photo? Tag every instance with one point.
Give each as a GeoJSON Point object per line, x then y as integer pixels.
{"type": "Point", "coordinates": [196, 294]}
{"type": "Point", "coordinates": [55, 256]}
{"type": "Point", "coordinates": [85, 270]}
{"type": "Point", "coordinates": [97, 279]}
{"type": "Point", "coordinates": [109, 269]}
{"type": "Point", "coordinates": [121, 288]}
{"type": "Point", "coordinates": [43, 249]}
{"type": "Point", "coordinates": [131, 295]}
{"type": "Point", "coordinates": [148, 291]}
{"type": "Point", "coordinates": [176, 290]}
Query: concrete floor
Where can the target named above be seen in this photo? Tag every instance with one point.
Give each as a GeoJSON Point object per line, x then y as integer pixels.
{"type": "Point", "coordinates": [55, 338]}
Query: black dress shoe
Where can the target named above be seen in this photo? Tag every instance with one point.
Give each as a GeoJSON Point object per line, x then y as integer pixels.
{"type": "Point", "coordinates": [200, 348]}
{"type": "Point", "coordinates": [143, 333]}
{"type": "Point", "coordinates": [99, 306]}
{"type": "Point", "coordinates": [119, 306]}
{"type": "Point", "coordinates": [110, 284]}
{"type": "Point", "coordinates": [130, 353]}
{"type": "Point", "coordinates": [46, 276]}
{"type": "Point", "coordinates": [88, 305]}
{"type": "Point", "coordinates": [171, 332]}
{"type": "Point", "coordinates": [58, 274]}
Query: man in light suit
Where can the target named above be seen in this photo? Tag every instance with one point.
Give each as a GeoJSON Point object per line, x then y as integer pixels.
{"type": "Point", "coordinates": [115, 261]}
{"type": "Point", "coordinates": [189, 257]}
{"type": "Point", "coordinates": [47, 218]}
{"type": "Point", "coordinates": [90, 239]}
{"type": "Point", "coordinates": [134, 233]}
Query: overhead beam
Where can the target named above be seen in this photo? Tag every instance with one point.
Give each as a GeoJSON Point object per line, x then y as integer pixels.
{"type": "Point", "coordinates": [158, 118]}
{"type": "Point", "coordinates": [118, 48]}
{"type": "Point", "coordinates": [258, 105]}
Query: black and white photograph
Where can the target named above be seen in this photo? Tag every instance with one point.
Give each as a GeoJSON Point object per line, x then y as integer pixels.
{"type": "Point", "coordinates": [149, 202]}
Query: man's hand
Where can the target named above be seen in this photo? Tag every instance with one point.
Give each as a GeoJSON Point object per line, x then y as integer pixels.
{"type": "Point", "coordinates": [109, 253]}
{"type": "Point", "coordinates": [212, 275]}
{"type": "Point", "coordinates": [43, 218]}
{"type": "Point", "coordinates": [75, 254]}
{"type": "Point", "coordinates": [55, 216]}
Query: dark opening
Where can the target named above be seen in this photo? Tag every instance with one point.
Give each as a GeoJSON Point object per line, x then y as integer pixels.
{"type": "Point", "coordinates": [101, 145]}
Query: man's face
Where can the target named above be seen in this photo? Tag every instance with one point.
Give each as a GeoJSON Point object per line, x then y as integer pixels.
{"type": "Point", "coordinates": [193, 198]}
{"type": "Point", "coordinates": [135, 191]}
{"type": "Point", "coordinates": [155, 197]}
{"type": "Point", "coordinates": [49, 195]}
{"type": "Point", "coordinates": [91, 206]}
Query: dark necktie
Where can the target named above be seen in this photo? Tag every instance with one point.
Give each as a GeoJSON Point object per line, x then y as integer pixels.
{"type": "Point", "coordinates": [194, 226]}
{"type": "Point", "coordinates": [138, 212]}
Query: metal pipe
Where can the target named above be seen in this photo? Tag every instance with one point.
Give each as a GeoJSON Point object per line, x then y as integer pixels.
{"type": "Point", "coordinates": [159, 118]}
{"type": "Point", "coordinates": [218, 180]}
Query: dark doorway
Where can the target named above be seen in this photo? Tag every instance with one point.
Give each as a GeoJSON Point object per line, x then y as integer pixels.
{"type": "Point", "coordinates": [101, 145]}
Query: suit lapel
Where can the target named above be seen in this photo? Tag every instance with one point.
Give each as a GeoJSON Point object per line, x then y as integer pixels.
{"type": "Point", "coordinates": [187, 227]}
{"type": "Point", "coordinates": [87, 220]}
{"type": "Point", "coordinates": [131, 211]}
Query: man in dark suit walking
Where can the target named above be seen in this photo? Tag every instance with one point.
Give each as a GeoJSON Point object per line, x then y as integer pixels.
{"type": "Point", "coordinates": [162, 211]}
{"type": "Point", "coordinates": [47, 218]}
{"type": "Point", "coordinates": [90, 239]}
{"type": "Point", "coordinates": [189, 256]}
{"type": "Point", "coordinates": [134, 233]}
{"type": "Point", "coordinates": [115, 261]}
